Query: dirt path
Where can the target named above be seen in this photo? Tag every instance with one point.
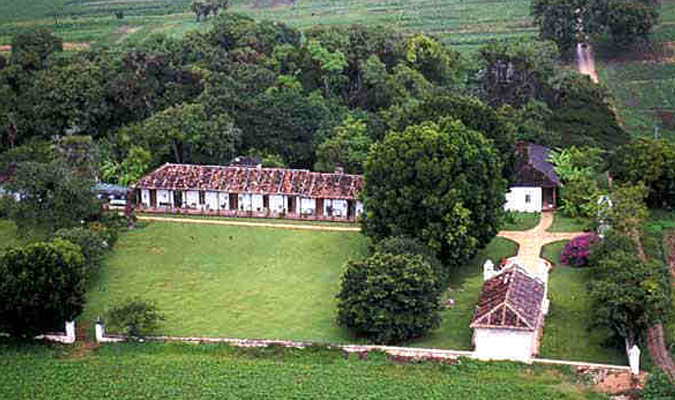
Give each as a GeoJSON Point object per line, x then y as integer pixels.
{"type": "Point", "coordinates": [66, 46]}
{"type": "Point", "coordinates": [531, 242]}
{"type": "Point", "coordinates": [585, 62]}
{"type": "Point", "coordinates": [252, 224]}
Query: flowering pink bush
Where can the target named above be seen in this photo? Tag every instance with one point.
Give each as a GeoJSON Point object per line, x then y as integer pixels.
{"type": "Point", "coordinates": [575, 253]}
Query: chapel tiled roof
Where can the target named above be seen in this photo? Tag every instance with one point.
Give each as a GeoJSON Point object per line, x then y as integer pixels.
{"type": "Point", "coordinates": [295, 182]}
{"type": "Point", "coordinates": [510, 300]}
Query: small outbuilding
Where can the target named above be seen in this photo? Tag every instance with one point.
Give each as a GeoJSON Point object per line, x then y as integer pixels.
{"type": "Point", "coordinates": [509, 317]}
{"type": "Point", "coordinates": [535, 182]}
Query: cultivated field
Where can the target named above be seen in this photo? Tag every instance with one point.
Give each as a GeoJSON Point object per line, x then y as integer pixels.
{"type": "Point", "coordinates": [643, 80]}
{"type": "Point", "coordinates": [466, 24]}
{"type": "Point", "coordinates": [161, 371]}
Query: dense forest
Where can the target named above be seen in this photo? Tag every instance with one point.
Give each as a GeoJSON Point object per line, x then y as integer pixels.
{"type": "Point", "coordinates": [314, 99]}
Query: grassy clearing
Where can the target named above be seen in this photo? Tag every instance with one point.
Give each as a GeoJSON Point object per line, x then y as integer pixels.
{"type": "Point", "coordinates": [567, 331]}
{"type": "Point", "coordinates": [552, 251]}
{"type": "Point", "coordinates": [155, 370]}
{"type": "Point", "coordinates": [231, 281]}
{"type": "Point", "coordinates": [562, 223]}
{"type": "Point", "coordinates": [522, 221]}
{"type": "Point", "coordinates": [262, 283]}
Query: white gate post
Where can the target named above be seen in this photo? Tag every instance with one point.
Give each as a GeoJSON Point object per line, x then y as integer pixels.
{"type": "Point", "coordinates": [70, 332]}
{"type": "Point", "coordinates": [634, 360]}
{"type": "Point", "coordinates": [100, 331]}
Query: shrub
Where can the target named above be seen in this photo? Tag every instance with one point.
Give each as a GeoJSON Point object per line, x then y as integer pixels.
{"type": "Point", "coordinates": [5, 205]}
{"type": "Point", "coordinates": [42, 286]}
{"type": "Point", "coordinates": [405, 245]}
{"type": "Point", "coordinates": [134, 317]}
{"type": "Point", "coordinates": [109, 235]}
{"type": "Point", "coordinates": [92, 245]}
{"type": "Point", "coordinates": [658, 387]}
{"type": "Point", "coordinates": [389, 298]}
{"type": "Point", "coordinates": [576, 252]}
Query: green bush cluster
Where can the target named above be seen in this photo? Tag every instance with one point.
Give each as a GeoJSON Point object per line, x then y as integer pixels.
{"type": "Point", "coordinates": [389, 298]}
{"type": "Point", "coordinates": [134, 317]}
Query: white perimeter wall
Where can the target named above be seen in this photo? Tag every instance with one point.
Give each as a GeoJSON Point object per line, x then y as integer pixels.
{"type": "Point", "coordinates": [517, 196]}
{"type": "Point", "coordinates": [503, 344]}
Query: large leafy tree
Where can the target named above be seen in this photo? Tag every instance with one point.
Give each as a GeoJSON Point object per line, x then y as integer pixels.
{"type": "Point", "coordinates": [42, 286]}
{"type": "Point", "coordinates": [629, 293]}
{"type": "Point", "coordinates": [52, 196]}
{"type": "Point", "coordinates": [649, 161]}
{"type": "Point", "coordinates": [389, 298]}
{"type": "Point", "coordinates": [472, 112]}
{"type": "Point", "coordinates": [31, 49]}
{"type": "Point", "coordinates": [347, 147]}
{"type": "Point", "coordinates": [438, 182]}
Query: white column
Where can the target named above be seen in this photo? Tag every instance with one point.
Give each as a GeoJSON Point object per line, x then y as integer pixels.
{"type": "Point", "coordinates": [100, 332]}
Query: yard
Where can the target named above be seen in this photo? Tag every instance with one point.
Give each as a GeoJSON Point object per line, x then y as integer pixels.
{"type": "Point", "coordinates": [567, 330]}
{"type": "Point", "coordinates": [521, 221]}
{"type": "Point", "coordinates": [258, 282]}
{"type": "Point", "coordinates": [159, 371]}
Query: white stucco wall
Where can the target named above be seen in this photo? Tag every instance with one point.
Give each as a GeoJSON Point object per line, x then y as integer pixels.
{"type": "Point", "coordinates": [359, 208]}
{"type": "Point", "coordinates": [250, 202]}
{"type": "Point", "coordinates": [145, 197]}
{"type": "Point", "coordinates": [277, 203]}
{"type": "Point", "coordinates": [164, 197]}
{"type": "Point", "coordinates": [517, 196]}
{"type": "Point", "coordinates": [307, 206]}
{"type": "Point", "coordinates": [191, 199]}
{"type": "Point", "coordinates": [339, 207]}
{"type": "Point", "coordinates": [503, 344]}
{"type": "Point", "coordinates": [211, 199]}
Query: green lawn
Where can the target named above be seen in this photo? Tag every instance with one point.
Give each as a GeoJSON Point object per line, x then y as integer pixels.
{"type": "Point", "coordinates": [567, 333]}
{"type": "Point", "coordinates": [562, 223]}
{"type": "Point", "coordinates": [258, 282]}
{"type": "Point", "coordinates": [465, 289]}
{"type": "Point", "coordinates": [231, 281]}
{"type": "Point", "coordinates": [188, 371]}
{"type": "Point", "coordinates": [7, 233]}
{"type": "Point", "coordinates": [521, 221]}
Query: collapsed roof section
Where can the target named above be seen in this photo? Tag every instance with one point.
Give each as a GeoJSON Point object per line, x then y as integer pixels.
{"type": "Point", "coordinates": [292, 182]}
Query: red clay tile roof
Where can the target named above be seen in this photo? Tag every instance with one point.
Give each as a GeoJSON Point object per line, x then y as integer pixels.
{"type": "Point", "coordinates": [295, 182]}
{"type": "Point", "coordinates": [511, 300]}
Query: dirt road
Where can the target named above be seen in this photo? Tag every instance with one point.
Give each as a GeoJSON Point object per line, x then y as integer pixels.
{"type": "Point", "coordinates": [252, 224]}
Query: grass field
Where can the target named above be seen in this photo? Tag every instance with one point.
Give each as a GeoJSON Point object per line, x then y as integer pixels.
{"type": "Point", "coordinates": [7, 234]}
{"type": "Point", "coordinates": [567, 331]}
{"type": "Point", "coordinates": [261, 283]}
{"type": "Point", "coordinates": [160, 371]}
{"type": "Point", "coordinates": [562, 223]}
{"type": "Point", "coordinates": [522, 221]}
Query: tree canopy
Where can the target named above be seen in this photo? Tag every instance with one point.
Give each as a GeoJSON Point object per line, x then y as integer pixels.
{"type": "Point", "coordinates": [438, 182]}
{"type": "Point", "coordinates": [42, 286]}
